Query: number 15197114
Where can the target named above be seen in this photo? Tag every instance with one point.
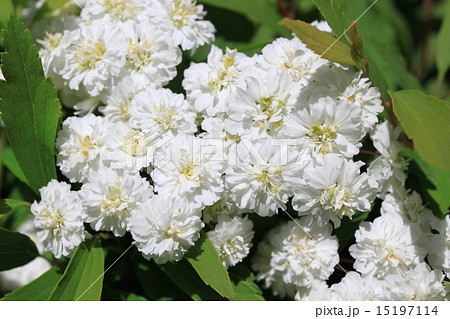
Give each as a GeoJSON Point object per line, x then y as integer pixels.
{"type": "Point", "coordinates": [406, 310]}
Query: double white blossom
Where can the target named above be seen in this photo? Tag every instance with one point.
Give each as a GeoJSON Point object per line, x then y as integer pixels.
{"type": "Point", "coordinates": [232, 238]}
{"type": "Point", "coordinates": [165, 228]}
{"type": "Point", "coordinates": [301, 251]}
{"type": "Point", "coordinates": [80, 144]}
{"type": "Point", "coordinates": [334, 190]}
{"type": "Point", "coordinates": [389, 168]}
{"type": "Point", "coordinates": [112, 198]}
{"type": "Point", "coordinates": [420, 283]}
{"type": "Point", "coordinates": [209, 85]}
{"type": "Point", "coordinates": [186, 170]}
{"type": "Point", "coordinates": [59, 218]}
{"type": "Point", "coordinates": [387, 246]}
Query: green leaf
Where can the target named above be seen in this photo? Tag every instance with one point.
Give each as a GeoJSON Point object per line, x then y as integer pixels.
{"type": "Point", "coordinates": [7, 8]}
{"type": "Point", "coordinates": [439, 178]}
{"type": "Point", "coordinates": [83, 278]}
{"type": "Point", "coordinates": [37, 290]}
{"type": "Point", "coordinates": [185, 277]}
{"type": "Point", "coordinates": [333, 14]}
{"type": "Point", "coordinates": [320, 42]}
{"type": "Point", "coordinates": [348, 227]}
{"type": "Point", "coordinates": [243, 281]}
{"type": "Point", "coordinates": [257, 11]}
{"type": "Point", "coordinates": [155, 282]}
{"type": "Point", "coordinates": [426, 120]}
{"type": "Point", "coordinates": [29, 105]}
{"type": "Point", "coordinates": [49, 7]}
{"type": "Point", "coordinates": [8, 159]}
{"type": "Point", "coordinates": [388, 69]}
{"type": "Point", "coordinates": [15, 249]}
{"type": "Point", "coordinates": [205, 260]}
{"type": "Point", "coordinates": [7, 205]}
{"type": "Point", "coordinates": [443, 43]}
{"type": "Point", "coordinates": [134, 297]}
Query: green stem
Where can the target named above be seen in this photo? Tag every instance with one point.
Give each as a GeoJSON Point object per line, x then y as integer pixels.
{"type": "Point", "coordinates": [439, 82]}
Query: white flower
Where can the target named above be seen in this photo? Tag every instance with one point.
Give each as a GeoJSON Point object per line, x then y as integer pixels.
{"type": "Point", "coordinates": [164, 229]}
{"type": "Point", "coordinates": [322, 25]}
{"type": "Point", "coordinates": [439, 247]}
{"type": "Point", "coordinates": [2, 77]}
{"type": "Point", "coordinates": [20, 276]}
{"type": "Point", "coordinates": [387, 246]}
{"type": "Point", "coordinates": [208, 85]}
{"type": "Point", "coordinates": [185, 19]}
{"type": "Point", "coordinates": [58, 218]}
{"type": "Point", "coordinates": [189, 173]}
{"type": "Point", "coordinates": [353, 287]}
{"type": "Point", "coordinates": [112, 198]}
{"type": "Point", "coordinates": [215, 129]}
{"type": "Point", "coordinates": [389, 168]}
{"type": "Point", "coordinates": [410, 208]}
{"type": "Point", "coordinates": [319, 291]}
{"type": "Point", "coordinates": [116, 10]}
{"type": "Point", "coordinates": [271, 277]}
{"type": "Point", "coordinates": [161, 111]}
{"type": "Point", "coordinates": [152, 56]}
{"type": "Point", "coordinates": [302, 251]}
{"type": "Point", "coordinates": [232, 238]}
{"type": "Point", "coordinates": [118, 101]}
{"type": "Point", "coordinates": [325, 127]}
{"type": "Point", "coordinates": [344, 84]}
{"type": "Point", "coordinates": [334, 190]}
{"type": "Point", "coordinates": [420, 283]}
{"type": "Point", "coordinates": [129, 149]}
{"type": "Point", "coordinates": [263, 184]}
{"type": "Point", "coordinates": [292, 56]}
{"type": "Point", "coordinates": [93, 57]}
{"type": "Point", "coordinates": [80, 145]}
{"type": "Point", "coordinates": [258, 109]}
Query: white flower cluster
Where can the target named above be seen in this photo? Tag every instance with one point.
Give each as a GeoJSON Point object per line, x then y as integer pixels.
{"type": "Point", "coordinates": [118, 43]}
{"type": "Point", "coordinates": [252, 135]}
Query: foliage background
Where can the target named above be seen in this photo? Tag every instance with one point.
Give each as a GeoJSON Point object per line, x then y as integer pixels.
{"type": "Point", "coordinates": [406, 44]}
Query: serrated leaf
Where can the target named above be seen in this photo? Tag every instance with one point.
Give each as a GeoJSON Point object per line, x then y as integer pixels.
{"type": "Point", "coordinates": [83, 278]}
{"type": "Point", "coordinates": [29, 105]}
{"type": "Point", "coordinates": [37, 290]}
{"type": "Point", "coordinates": [439, 178]}
{"type": "Point", "coordinates": [185, 277]}
{"type": "Point", "coordinates": [9, 160]}
{"type": "Point", "coordinates": [426, 120]}
{"type": "Point", "coordinates": [7, 205]}
{"type": "Point", "coordinates": [205, 260]}
{"type": "Point", "coordinates": [243, 281]}
{"type": "Point", "coordinates": [443, 42]}
{"type": "Point", "coordinates": [16, 249]}
{"type": "Point", "coordinates": [320, 42]}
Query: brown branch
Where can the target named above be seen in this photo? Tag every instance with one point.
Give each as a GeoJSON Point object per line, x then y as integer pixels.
{"type": "Point", "coordinates": [284, 10]}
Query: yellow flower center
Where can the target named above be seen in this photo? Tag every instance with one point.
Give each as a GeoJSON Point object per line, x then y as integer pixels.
{"type": "Point", "coordinates": [88, 56]}
{"type": "Point", "coordinates": [323, 136]}
{"type": "Point", "coordinates": [119, 9]}
{"type": "Point", "coordinates": [180, 12]}
{"type": "Point", "coordinates": [188, 171]}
